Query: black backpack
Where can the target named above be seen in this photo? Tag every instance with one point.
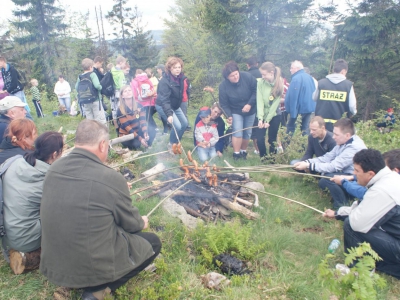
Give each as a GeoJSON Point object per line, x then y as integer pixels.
{"type": "Point", "coordinates": [3, 169]}
{"type": "Point", "coordinates": [107, 85]}
{"type": "Point", "coordinates": [87, 93]}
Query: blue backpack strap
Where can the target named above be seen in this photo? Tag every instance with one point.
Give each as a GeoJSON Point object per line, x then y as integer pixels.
{"type": "Point", "coordinates": [3, 169]}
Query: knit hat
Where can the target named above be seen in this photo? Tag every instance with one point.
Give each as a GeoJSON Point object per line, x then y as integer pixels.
{"type": "Point", "coordinates": [390, 109]}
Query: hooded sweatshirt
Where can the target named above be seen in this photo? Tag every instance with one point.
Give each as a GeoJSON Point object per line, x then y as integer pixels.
{"type": "Point", "coordinates": [141, 86]}
{"type": "Point", "coordinates": [335, 96]}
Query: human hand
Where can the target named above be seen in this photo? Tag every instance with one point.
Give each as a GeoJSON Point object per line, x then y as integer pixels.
{"type": "Point", "coordinates": [170, 119]}
{"type": "Point", "coordinates": [129, 185]}
{"type": "Point", "coordinates": [266, 125]}
{"type": "Point", "coordinates": [146, 136]}
{"type": "Point", "coordinates": [329, 213]}
{"type": "Point", "coordinates": [144, 143]}
{"type": "Point", "coordinates": [260, 124]}
{"type": "Point", "coordinates": [246, 108]}
{"type": "Point", "coordinates": [208, 89]}
{"type": "Point", "coordinates": [229, 120]}
{"type": "Point", "coordinates": [219, 154]}
{"type": "Point", "coordinates": [146, 221]}
{"type": "Point", "coordinates": [301, 165]}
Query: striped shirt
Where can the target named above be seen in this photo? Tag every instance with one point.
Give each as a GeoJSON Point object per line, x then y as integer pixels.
{"type": "Point", "coordinates": [133, 122]}
{"type": "Point", "coordinates": [35, 93]}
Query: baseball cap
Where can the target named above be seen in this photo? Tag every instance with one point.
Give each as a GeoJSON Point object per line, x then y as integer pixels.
{"type": "Point", "coordinates": [205, 113]}
{"type": "Point", "coordinates": [10, 102]}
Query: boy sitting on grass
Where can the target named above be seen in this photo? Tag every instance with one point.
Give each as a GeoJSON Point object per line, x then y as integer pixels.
{"type": "Point", "coordinates": [206, 135]}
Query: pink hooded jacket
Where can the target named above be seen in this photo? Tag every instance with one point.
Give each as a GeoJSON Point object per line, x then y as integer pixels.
{"type": "Point", "coordinates": [141, 86]}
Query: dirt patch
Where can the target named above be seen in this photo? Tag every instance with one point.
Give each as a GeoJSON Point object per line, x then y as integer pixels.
{"type": "Point", "coordinates": [314, 229]}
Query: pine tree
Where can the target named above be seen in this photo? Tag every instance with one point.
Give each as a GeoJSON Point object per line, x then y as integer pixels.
{"type": "Point", "coordinates": [39, 23]}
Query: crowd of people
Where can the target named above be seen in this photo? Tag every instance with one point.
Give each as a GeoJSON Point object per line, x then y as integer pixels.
{"type": "Point", "coordinates": [100, 244]}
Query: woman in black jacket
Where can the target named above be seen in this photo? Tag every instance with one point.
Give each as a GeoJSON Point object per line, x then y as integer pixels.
{"type": "Point", "coordinates": [237, 97]}
{"type": "Point", "coordinates": [172, 88]}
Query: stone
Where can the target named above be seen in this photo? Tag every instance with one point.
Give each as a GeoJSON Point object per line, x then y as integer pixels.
{"type": "Point", "coordinates": [179, 212]}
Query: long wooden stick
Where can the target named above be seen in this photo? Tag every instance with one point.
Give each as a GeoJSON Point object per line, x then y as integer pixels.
{"type": "Point", "coordinates": [177, 137]}
{"type": "Point", "coordinates": [136, 158]}
{"type": "Point", "coordinates": [153, 185]}
{"type": "Point", "coordinates": [173, 192]}
{"type": "Point", "coordinates": [238, 131]}
{"type": "Point", "coordinates": [270, 194]}
{"type": "Point", "coordinates": [275, 170]}
{"type": "Point", "coordinates": [151, 175]}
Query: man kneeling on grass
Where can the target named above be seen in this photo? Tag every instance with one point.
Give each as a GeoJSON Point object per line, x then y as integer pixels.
{"type": "Point", "coordinates": [376, 219]}
{"type": "Point", "coordinates": [91, 235]}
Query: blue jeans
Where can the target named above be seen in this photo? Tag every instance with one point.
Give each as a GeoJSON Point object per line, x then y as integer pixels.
{"type": "Point", "coordinates": [239, 122]}
{"type": "Point", "coordinates": [387, 247]}
{"type": "Point", "coordinates": [66, 101]}
{"type": "Point", "coordinates": [339, 194]}
{"type": "Point", "coordinates": [179, 121]}
{"type": "Point", "coordinates": [305, 121]}
{"type": "Point", "coordinates": [206, 153]}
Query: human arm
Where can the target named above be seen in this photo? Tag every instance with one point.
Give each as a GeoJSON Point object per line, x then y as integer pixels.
{"type": "Point", "coordinates": [219, 146]}
{"type": "Point", "coordinates": [272, 109]}
{"type": "Point", "coordinates": [352, 102]}
{"type": "Point", "coordinates": [95, 81]}
{"type": "Point", "coordinates": [260, 100]}
{"type": "Point", "coordinates": [252, 85]}
{"type": "Point", "coordinates": [354, 189]}
{"type": "Point", "coordinates": [292, 98]}
{"type": "Point", "coordinates": [310, 149]}
{"type": "Point", "coordinates": [224, 101]}
{"type": "Point", "coordinates": [163, 97]}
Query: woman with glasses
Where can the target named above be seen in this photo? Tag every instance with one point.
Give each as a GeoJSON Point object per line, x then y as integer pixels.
{"type": "Point", "coordinates": [237, 97]}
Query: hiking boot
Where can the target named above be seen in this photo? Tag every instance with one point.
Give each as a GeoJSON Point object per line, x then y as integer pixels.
{"type": "Point", "coordinates": [99, 295]}
{"type": "Point", "coordinates": [244, 155]}
{"type": "Point", "coordinates": [237, 156]}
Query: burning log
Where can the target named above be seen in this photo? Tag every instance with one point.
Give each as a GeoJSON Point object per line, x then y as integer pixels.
{"type": "Point", "coordinates": [238, 208]}
{"type": "Point", "coordinates": [193, 213]}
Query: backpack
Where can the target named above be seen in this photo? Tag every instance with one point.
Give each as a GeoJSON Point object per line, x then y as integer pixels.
{"type": "Point", "coordinates": [87, 93]}
{"type": "Point", "coordinates": [143, 90]}
{"type": "Point", "coordinates": [107, 85]}
{"type": "Point", "coordinates": [3, 168]}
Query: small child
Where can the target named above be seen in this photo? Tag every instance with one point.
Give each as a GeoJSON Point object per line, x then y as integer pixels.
{"type": "Point", "coordinates": [206, 135]}
{"type": "Point", "coordinates": [36, 98]}
{"type": "Point", "coordinates": [389, 120]}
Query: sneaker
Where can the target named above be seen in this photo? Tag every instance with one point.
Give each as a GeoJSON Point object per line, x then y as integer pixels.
{"type": "Point", "coordinates": [256, 152]}
{"type": "Point", "coordinates": [237, 156]}
{"type": "Point", "coordinates": [17, 261]}
{"type": "Point", "coordinates": [244, 155]}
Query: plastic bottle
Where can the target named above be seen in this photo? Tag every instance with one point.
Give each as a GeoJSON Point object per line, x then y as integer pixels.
{"type": "Point", "coordinates": [333, 246]}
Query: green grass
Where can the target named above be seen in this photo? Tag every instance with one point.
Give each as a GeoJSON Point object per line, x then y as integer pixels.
{"type": "Point", "coordinates": [296, 240]}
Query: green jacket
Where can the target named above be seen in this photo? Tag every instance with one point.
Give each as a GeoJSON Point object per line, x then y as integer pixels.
{"type": "Point", "coordinates": [88, 223]}
{"type": "Point", "coordinates": [118, 77]}
{"type": "Point", "coordinates": [266, 108]}
{"type": "Point", "coordinates": [22, 192]}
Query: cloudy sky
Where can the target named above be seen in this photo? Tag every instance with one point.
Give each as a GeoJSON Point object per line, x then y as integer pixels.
{"type": "Point", "coordinates": [153, 11]}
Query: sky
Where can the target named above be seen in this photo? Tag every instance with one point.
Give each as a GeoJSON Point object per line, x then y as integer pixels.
{"type": "Point", "coordinates": [153, 11]}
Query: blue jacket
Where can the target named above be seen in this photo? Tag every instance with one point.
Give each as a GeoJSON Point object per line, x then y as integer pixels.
{"type": "Point", "coordinates": [298, 98]}
{"type": "Point", "coordinates": [353, 188]}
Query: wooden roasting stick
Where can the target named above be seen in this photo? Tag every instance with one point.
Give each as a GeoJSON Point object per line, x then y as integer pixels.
{"type": "Point", "coordinates": [153, 185]}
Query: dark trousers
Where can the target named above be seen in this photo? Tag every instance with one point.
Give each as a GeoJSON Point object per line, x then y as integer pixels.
{"type": "Point", "coordinates": [39, 110]}
{"type": "Point", "coordinates": [155, 243]}
{"type": "Point", "coordinates": [387, 247]}
{"type": "Point", "coordinates": [305, 121]}
{"type": "Point", "coordinates": [272, 134]}
{"type": "Point", "coordinates": [339, 195]}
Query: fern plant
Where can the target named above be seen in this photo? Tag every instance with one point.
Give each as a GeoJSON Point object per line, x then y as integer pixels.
{"type": "Point", "coordinates": [361, 282]}
{"type": "Point", "coordinates": [232, 237]}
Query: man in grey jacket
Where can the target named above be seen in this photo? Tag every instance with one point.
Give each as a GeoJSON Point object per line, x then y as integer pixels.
{"type": "Point", "coordinates": [375, 219]}
{"type": "Point", "coordinates": [339, 161]}
{"type": "Point", "coordinates": [91, 234]}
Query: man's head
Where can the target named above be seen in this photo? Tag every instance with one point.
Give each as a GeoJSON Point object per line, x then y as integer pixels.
{"type": "Point", "coordinates": [3, 62]}
{"type": "Point", "coordinates": [87, 64]}
{"type": "Point", "coordinates": [296, 66]}
{"type": "Point", "coordinates": [93, 137]}
{"type": "Point", "coordinates": [12, 107]}
{"type": "Point", "coordinates": [317, 127]}
{"type": "Point", "coordinates": [98, 62]}
{"type": "Point", "coordinates": [392, 159]}
{"type": "Point", "coordinates": [205, 115]}
{"type": "Point", "coordinates": [343, 130]}
{"type": "Point", "coordinates": [341, 66]}
{"type": "Point", "coordinates": [61, 78]}
{"type": "Point", "coordinates": [252, 62]}
{"type": "Point", "coordinates": [216, 111]}
{"type": "Point", "coordinates": [367, 163]}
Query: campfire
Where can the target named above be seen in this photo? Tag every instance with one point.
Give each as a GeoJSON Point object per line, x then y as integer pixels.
{"type": "Point", "coordinates": [209, 194]}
